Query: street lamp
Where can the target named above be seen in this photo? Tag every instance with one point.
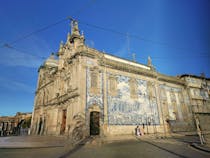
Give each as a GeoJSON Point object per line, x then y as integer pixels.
{"type": "Point", "coordinates": [146, 121]}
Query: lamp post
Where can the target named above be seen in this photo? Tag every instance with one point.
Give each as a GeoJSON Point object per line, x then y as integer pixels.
{"type": "Point", "coordinates": [146, 121]}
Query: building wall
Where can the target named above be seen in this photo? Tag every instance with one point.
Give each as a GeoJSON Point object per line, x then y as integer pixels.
{"type": "Point", "coordinates": [126, 94]}
{"type": "Point", "coordinates": [154, 103]}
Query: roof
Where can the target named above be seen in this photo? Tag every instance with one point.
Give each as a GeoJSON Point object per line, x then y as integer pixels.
{"type": "Point", "coordinates": [194, 76]}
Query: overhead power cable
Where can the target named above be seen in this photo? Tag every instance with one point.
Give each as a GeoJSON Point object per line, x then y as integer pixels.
{"type": "Point", "coordinates": [37, 31]}
{"type": "Point", "coordinates": [137, 37]}
{"type": "Point", "coordinates": [76, 13]}
{"type": "Point", "coordinates": [9, 45]}
{"type": "Point", "coordinates": [22, 51]}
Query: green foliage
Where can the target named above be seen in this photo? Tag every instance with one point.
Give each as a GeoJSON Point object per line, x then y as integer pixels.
{"type": "Point", "coordinates": [26, 123]}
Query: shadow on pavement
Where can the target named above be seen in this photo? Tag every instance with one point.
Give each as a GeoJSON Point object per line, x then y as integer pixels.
{"type": "Point", "coordinates": [182, 156]}
{"type": "Point", "coordinates": [76, 147]}
{"type": "Point", "coordinates": [187, 139]}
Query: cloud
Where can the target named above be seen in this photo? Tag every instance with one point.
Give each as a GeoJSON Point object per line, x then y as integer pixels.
{"type": "Point", "coordinates": [31, 53]}
{"type": "Point", "coordinates": [17, 58]}
{"type": "Point", "coordinates": [15, 85]}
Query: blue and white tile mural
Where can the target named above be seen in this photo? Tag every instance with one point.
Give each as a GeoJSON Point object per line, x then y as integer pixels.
{"type": "Point", "coordinates": [94, 99]}
{"type": "Point", "coordinates": [123, 110]}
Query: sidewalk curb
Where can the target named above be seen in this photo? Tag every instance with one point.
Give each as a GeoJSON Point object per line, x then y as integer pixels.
{"type": "Point", "coordinates": [200, 147]}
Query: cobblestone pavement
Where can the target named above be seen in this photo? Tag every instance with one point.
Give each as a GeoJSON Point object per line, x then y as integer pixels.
{"type": "Point", "coordinates": [146, 147]}
{"type": "Point", "coordinates": [32, 141]}
{"type": "Point", "coordinates": [53, 152]}
{"type": "Point", "coordinates": [113, 147]}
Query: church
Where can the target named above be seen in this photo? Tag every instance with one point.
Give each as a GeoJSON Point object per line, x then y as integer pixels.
{"type": "Point", "coordinates": [85, 92]}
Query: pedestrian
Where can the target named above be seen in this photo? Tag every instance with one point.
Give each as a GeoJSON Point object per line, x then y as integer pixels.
{"type": "Point", "coordinates": [137, 131]}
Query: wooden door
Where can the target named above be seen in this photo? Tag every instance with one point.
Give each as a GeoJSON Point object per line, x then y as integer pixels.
{"type": "Point", "coordinates": [94, 123]}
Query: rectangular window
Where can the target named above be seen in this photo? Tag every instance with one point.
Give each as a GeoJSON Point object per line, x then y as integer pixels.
{"type": "Point", "coordinates": [133, 88]}
{"type": "Point", "coordinates": [163, 94]}
{"type": "Point", "coordinates": [113, 85]}
{"type": "Point", "coordinates": [94, 80]}
{"type": "Point", "coordinates": [172, 96]}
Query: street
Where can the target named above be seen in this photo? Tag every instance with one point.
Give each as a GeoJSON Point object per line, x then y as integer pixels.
{"type": "Point", "coordinates": [139, 148]}
{"type": "Point", "coordinates": [130, 148]}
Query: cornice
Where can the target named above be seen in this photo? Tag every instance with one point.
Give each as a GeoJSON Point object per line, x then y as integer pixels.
{"type": "Point", "coordinates": [60, 100]}
{"type": "Point", "coordinates": [43, 86]}
{"type": "Point", "coordinates": [170, 79]}
{"type": "Point", "coordinates": [126, 67]}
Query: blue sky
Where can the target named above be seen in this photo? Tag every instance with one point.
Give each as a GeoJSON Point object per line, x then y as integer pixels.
{"type": "Point", "coordinates": [175, 34]}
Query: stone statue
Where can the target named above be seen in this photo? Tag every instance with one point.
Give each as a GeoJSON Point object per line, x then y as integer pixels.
{"type": "Point", "coordinates": [149, 61]}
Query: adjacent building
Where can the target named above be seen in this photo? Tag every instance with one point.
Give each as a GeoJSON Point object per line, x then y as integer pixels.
{"type": "Point", "coordinates": [85, 92]}
{"type": "Point", "coordinates": [15, 125]}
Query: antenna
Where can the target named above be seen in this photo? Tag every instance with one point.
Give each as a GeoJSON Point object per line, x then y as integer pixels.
{"type": "Point", "coordinates": [128, 47]}
{"type": "Point", "coordinates": [134, 57]}
{"type": "Point", "coordinates": [128, 44]}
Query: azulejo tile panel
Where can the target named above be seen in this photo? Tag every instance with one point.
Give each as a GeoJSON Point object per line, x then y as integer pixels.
{"type": "Point", "coordinates": [123, 110]}
{"type": "Point", "coordinates": [94, 99]}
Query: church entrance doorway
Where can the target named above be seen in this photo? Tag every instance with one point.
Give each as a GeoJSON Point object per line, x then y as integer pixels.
{"type": "Point", "coordinates": [40, 126]}
{"type": "Point", "coordinates": [94, 123]}
{"type": "Point", "coordinates": [63, 124]}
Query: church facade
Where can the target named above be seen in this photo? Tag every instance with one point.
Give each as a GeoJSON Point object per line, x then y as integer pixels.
{"type": "Point", "coordinates": [87, 92]}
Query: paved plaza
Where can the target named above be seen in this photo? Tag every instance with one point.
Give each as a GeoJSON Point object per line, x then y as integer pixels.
{"type": "Point", "coordinates": [108, 147]}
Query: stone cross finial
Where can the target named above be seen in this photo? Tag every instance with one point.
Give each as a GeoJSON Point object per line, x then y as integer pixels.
{"type": "Point", "coordinates": [149, 61]}
{"type": "Point", "coordinates": [74, 27]}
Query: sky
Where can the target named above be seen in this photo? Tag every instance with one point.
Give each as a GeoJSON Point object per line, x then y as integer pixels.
{"type": "Point", "coordinates": [175, 34]}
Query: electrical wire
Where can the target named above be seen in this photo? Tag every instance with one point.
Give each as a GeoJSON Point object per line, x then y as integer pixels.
{"type": "Point", "coordinates": [50, 25]}
{"type": "Point", "coordinates": [9, 45]}
{"type": "Point", "coordinates": [36, 31]}
{"type": "Point", "coordinates": [137, 37]}
{"type": "Point", "coordinates": [22, 51]}
{"type": "Point", "coordinates": [100, 28]}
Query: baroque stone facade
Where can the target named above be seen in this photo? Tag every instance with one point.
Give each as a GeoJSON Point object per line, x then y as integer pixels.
{"type": "Point", "coordinates": [86, 92]}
